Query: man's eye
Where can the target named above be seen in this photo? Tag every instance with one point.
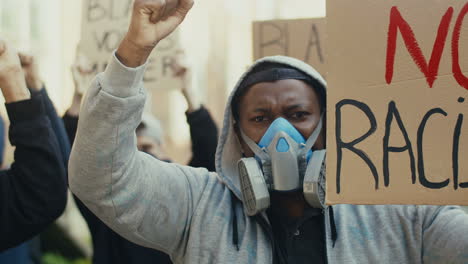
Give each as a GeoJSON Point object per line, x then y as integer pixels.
{"type": "Point", "coordinates": [299, 115]}
{"type": "Point", "coordinates": [259, 119]}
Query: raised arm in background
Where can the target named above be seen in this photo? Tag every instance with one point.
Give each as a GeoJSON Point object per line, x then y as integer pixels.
{"type": "Point", "coordinates": [203, 130]}
{"type": "Point", "coordinates": [33, 192]}
{"type": "Point", "coordinates": [37, 88]}
{"type": "Point", "coordinates": [82, 77]}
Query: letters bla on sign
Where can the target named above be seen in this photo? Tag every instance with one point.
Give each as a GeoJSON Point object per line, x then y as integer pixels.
{"type": "Point", "coordinates": [104, 24]}
{"type": "Point", "coordinates": [398, 97]}
{"type": "Point", "coordinates": [302, 39]}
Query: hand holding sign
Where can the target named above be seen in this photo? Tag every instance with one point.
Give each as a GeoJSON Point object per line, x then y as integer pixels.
{"type": "Point", "coordinates": [152, 21]}
{"type": "Point", "coordinates": [12, 81]}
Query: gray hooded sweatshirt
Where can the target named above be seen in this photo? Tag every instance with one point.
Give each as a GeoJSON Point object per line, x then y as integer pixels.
{"type": "Point", "coordinates": [195, 216]}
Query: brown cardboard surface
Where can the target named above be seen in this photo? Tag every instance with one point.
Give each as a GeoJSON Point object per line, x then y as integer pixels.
{"type": "Point", "coordinates": [435, 154]}
{"type": "Point", "coordinates": [299, 38]}
{"type": "Point", "coordinates": [105, 23]}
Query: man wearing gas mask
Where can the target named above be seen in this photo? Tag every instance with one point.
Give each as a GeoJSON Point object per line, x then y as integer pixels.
{"type": "Point", "coordinates": [264, 204]}
{"type": "Point", "coordinates": [278, 110]}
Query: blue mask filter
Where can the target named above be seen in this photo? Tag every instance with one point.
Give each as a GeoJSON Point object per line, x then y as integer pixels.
{"type": "Point", "coordinates": [281, 124]}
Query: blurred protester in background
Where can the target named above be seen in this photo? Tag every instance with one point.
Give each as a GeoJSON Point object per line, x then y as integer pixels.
{"type": "Point", "coordinates": [108, 246]}
{"type": "Point", "coordinates": [150, 137]}
{"type": "Point", "coordinates": [203, 130]}
{"type": "Point", "coordinates": [30, 251]}
{"type": "Point", "coordinates": [33, 191]}
{"type": "Point", "coordinates": [55, 238]}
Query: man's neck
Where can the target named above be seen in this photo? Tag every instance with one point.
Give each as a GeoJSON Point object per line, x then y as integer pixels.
{"type": "Point", "coordinates": [290, 205]}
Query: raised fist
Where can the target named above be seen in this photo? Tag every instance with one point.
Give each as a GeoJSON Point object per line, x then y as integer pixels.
{"type": "Point", "coordinates": [31, 71]}
{"type": "Point", "coordinates": [12, 82]}
{"type": "Point", "coordinates": [152, 21]}
{"type": "Point", "coordinates": [9, 63]}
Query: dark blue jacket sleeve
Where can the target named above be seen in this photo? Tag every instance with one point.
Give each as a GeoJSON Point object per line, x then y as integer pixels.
{"type": "Point", "coordinates": [204, 134]}
{"type": "Point", "coordinates": [33, 192]}
{"type": "Point", "coordinates": [57, 125]}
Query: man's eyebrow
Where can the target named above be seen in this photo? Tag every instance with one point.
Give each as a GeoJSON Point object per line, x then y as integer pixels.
{"type": "Point", "coordinates": [291, 107]}
{"type": "Point", "coordinates": [260, 110]}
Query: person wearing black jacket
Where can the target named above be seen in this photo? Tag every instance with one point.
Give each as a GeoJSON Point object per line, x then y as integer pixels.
{"type": "Point", "coordinates": [30, 251]}
{"type": "Point", "coordinates": [109, 247]}
{"type": "Point", "coordinates": [33, 192]}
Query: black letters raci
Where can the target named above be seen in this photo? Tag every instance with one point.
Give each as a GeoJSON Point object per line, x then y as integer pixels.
{"type": "Point", "coordinates": [417, 167]}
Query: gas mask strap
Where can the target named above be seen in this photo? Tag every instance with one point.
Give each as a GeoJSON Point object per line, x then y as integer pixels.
{"type": "Point", "coordinates": [313, 138]}
{"type": "Point", "coordinates": [253, 146]}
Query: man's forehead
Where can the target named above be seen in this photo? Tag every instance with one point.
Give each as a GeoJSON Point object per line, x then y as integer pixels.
{"type": "Point", "coordinates": [280, 91]}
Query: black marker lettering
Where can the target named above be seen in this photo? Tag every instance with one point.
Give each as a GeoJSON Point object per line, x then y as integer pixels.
{"type": "Point", "coordinates": [456, 144]}
{"type": "Point", "coordinates": [393, 112]}
{"type": "Point", "coordinates": [422, 176]}
{"type": "Point", "coordinates": [314, 41]}
{"type": "Point", "coordinates": [280, 39]}
{"type": "Point", "coordinates": [340, 145]}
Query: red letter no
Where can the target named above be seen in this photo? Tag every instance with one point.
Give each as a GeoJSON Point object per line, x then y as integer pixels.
{"type": "Point", "coordinates": [429, 70]}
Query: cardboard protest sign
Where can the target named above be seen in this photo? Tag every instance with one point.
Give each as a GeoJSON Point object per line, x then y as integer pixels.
{"type": "Point", "coordinates": [397, 102]}
{"type": "Point", "coordinates": [105, 23]}
{"type": "Point", "coordinates": [303, 39]}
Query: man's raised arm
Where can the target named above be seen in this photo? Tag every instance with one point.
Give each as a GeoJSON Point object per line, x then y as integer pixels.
{"type": "Point", "coordinates": [147, 201]}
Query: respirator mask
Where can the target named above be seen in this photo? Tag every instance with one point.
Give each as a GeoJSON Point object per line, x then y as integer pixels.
{"type": "Point", "coordinates": [284, 162]}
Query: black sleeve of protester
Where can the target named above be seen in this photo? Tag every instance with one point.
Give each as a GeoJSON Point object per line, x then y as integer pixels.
{"type": "Point", "coordinates": [33, 192]}
{"type": "Point", "coordinates": [204, 134]}
{"type": "Point", "coordinates": [57, 125]}
{"type": "Point", "coordinates": [71, 126]}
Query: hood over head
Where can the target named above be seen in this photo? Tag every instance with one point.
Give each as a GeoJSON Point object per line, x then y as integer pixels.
{"type": "Point", "coordinates": [229, 150]}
